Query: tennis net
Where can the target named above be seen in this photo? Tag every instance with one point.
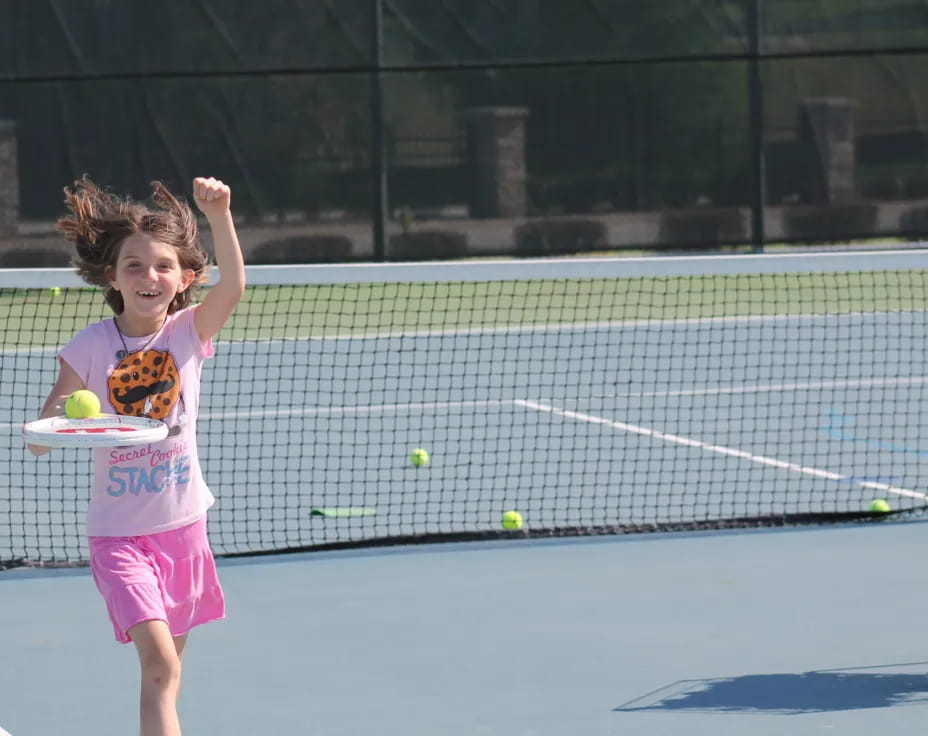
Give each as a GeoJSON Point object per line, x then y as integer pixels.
{"type": "Point", "coordinates": [591, 395]}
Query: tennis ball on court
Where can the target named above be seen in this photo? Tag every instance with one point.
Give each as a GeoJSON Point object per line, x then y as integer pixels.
{"type": "Point", "coordinates": [880, 505]}
{"type": "Point", "coordinates": [55, 290]}
{"type": "Point", "coordinates": [512, 520]}
{"type": "Point", "coordinates": [419, 457]}
{"type": "Point", "coordinates": [82, 404]}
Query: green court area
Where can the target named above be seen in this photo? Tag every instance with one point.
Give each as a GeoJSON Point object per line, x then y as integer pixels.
{"type": "Point", "coordinates": [42, 318]}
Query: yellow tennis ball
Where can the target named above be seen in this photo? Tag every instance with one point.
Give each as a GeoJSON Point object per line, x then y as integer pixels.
{"type": "Point", "coordinates": [880, 505]}
{"type": "Point", "coordinates": [55, 290]}
{"type": "Point", "coordinates": [419, 457]}
{"type": "Point", "coordinates": [82, 404]}
{"type": "Point", "coordinates": [512, 520]}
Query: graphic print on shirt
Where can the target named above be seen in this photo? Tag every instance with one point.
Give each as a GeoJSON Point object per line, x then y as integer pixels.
{"type": "Point", "coordinates": [145, 384]}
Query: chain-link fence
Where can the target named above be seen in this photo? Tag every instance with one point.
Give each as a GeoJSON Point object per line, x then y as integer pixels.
{"type": "Point", "coordinates": [408, 129]}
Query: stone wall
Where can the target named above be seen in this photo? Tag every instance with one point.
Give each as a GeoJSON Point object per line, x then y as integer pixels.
{"type": "Point", "coordinates": [9, 179]}
{"type": "Point", "coordinates": [828, 137]}
{"type": "Point", "coordinates": [496, 161]}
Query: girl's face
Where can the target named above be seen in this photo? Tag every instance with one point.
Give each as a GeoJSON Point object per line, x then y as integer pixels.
{"type": "Point", "coordinates": [148, 275]}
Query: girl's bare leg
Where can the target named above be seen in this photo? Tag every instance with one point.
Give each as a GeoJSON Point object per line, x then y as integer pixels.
{"type": "Point", "coordinates": [160, 659]}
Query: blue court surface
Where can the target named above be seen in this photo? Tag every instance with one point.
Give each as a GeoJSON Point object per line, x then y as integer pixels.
{"type": "Point", "coordinates": [797, 631]}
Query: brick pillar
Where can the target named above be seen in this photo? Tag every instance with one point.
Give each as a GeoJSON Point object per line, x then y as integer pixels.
{"type": "Point", "coordinates": [496, 161]}
{"type": "Point", "coordinates": [828, 137]}
{"type": "Point", "coordinates": [9, 179]}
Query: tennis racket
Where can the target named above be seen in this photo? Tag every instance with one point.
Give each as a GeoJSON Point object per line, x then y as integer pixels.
{"type": "Point", "coordinates": [106, 430]}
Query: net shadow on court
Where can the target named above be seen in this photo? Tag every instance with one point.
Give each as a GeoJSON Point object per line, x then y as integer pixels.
{"type": "Point", "coordinates": [786, 693]}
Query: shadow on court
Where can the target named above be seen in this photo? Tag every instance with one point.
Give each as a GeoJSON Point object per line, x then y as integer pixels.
{"type": "Point", "coordinates": [784, 693]}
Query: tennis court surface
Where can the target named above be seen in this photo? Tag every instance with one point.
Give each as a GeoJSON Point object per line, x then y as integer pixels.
{"type": "Point", "coordinates": [722, 634]}
{"type": "Point", "coordinates": [614, 400]}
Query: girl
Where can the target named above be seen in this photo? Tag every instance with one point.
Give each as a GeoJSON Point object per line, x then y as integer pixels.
{"type": "Point", "coordinates": [146, 521]}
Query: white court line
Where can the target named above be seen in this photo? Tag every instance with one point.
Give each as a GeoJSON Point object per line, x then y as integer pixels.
{"type": "Point", "coordinates": [760, 388]}
{"type": "Point", "coordinates": [340, 410]}
{"type": "Point", "coordinates": [773, 387]}
{"type": "Point", "coordinates": [327, 410]}
{"type": "Point", "coordinates": [721, 450]}
{"type": "Point", "coordinates": [555, 327]}
{"type": "Point", "coordinates": [516, 329]}
{"type": "Point", "coordinates": [891, 489]}
{"type": "Point", "coordinates": [374, 408]}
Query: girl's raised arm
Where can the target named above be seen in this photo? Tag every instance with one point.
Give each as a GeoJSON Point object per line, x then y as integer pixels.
{"type": "Point", "coordinates": [214, 200]}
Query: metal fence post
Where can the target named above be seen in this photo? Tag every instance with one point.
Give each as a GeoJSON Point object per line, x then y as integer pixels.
{"type": "Point", "coordinates": [378, 135]}
{"type": "Point", "coordinates": [756, 116]}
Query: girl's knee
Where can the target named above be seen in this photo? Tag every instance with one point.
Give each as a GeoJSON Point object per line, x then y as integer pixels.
{"type": "Point", "coordinates": [158, 656]}
{"type": "Point", "coordinates": [161, 671]}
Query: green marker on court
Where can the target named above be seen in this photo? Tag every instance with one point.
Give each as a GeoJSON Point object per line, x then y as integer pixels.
{"type": "Point", "coordinates": [343, 511]}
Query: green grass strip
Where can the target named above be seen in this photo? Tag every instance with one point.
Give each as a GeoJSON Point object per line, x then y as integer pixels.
{"type": "Point", "coordinates": [39, 318]}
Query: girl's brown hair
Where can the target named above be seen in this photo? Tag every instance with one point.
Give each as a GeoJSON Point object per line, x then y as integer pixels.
{"type": "Point", "coordinates": [100, 222]}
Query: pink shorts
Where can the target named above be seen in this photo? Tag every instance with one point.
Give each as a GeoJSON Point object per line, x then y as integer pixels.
{"type": "Point", "coordinates": [169, 576]}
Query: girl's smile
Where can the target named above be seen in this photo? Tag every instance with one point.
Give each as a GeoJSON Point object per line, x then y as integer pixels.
{"type": "Point", "coordinates": [148, 276]}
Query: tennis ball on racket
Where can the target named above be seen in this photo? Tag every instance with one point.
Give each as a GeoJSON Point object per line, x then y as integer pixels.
{"type": "Point", "coordinates": [82, 404]}
{"type": "Point", "coordinates": [880, 505]}
{"type": "Point", "coordinates": [419, 457]}
{"type": "Point", "coordinates": [512, 520]}
{"type": "Point", "coordinates": [55, 291]}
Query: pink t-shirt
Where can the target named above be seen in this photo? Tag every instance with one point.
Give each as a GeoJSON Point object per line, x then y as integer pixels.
{"type": "Point", "coordinates": [156, 487]}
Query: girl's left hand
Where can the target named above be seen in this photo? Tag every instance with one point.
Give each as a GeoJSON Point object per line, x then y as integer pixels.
{"type": "Point", "coordinates": [212, 196]}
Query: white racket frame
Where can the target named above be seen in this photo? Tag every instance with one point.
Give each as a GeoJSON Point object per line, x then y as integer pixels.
{"type": "Point", "coordinates": [105, 430]}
